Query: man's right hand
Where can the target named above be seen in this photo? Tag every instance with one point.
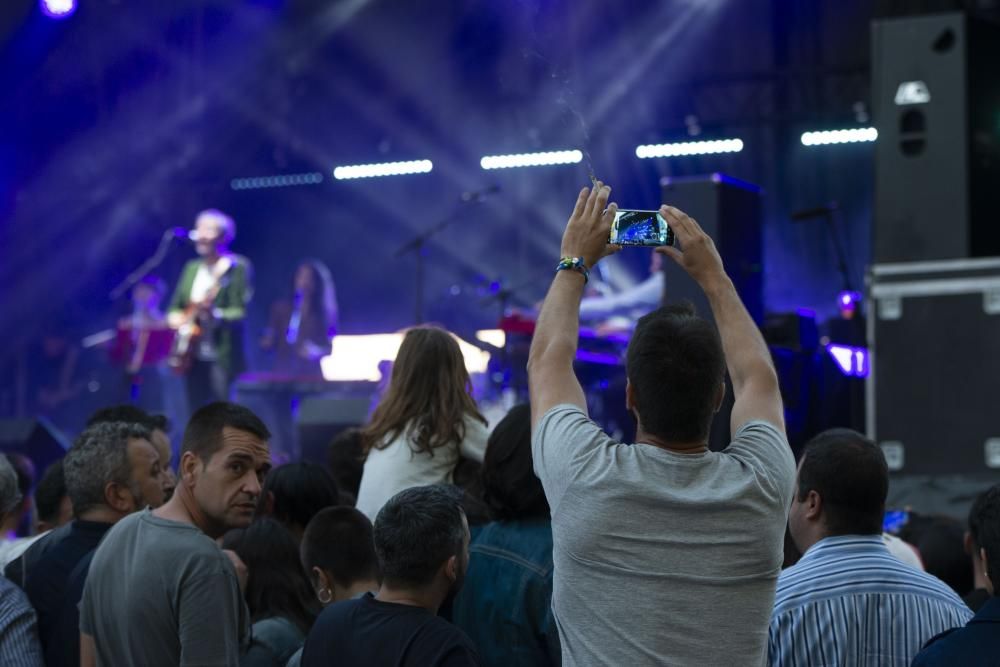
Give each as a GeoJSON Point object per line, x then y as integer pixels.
{"type": "Point", "coordinates": [697, 254]}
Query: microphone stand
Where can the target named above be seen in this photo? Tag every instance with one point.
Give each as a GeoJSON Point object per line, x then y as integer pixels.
{"type": "Point", "coordinates": [417, 244]}
{"type": "Point", "coordinates": [145, 268]}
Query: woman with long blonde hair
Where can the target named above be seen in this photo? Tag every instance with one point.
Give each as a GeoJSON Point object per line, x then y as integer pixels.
{"type": "Point", "coordinates": [426, 422]}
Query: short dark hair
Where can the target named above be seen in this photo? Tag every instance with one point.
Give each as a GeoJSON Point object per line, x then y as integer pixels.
{"type": "Point", "coordinates": [50, 492]}
{"type": "Point", "coordinates": [675, 365]}
{"type": "Point", "coordinates": [203, 435]}
{"type": "Point", "coordinates": [131, 415]}
{"type": "Point", "coordinates": [510, 488]}
{"type": "Point", "coordinates": [98, 457]}
{"type": "Point", "coordinates": [276, 583]}
{"type": "Point", "coordinates": [849, 473]}
{"type": "Point", "coordinates": [339, 540]}
{"type": "Point", "coordinates": [416, 532]}
{"type": "Point", "coordinates": [300, 490]}
{"type": "Point", "coordinates": [984, 526]}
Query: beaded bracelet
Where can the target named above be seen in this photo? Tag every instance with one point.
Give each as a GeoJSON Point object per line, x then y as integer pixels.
{"type": "Point", "coordinates": [574, 264]}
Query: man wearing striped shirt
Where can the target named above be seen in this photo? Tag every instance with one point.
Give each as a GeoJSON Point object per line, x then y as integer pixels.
{"type": "Point", "coordinates": [848, 601]}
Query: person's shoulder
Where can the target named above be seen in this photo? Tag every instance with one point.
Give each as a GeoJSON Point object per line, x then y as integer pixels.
{"type": "Point", "coordinates": [13, 601]}
{"type": "Point", "coordinates": [241, 262]}
{"type": "Point", "coordinates": [566, 420]}
{"type": "Point", "coordinates": [946, 647]}
{"type": "Point", "coordinates": [445, 636]}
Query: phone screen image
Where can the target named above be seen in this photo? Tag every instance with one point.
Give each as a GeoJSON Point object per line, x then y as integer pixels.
{"type": "Point", "coordinates": [640, 228]}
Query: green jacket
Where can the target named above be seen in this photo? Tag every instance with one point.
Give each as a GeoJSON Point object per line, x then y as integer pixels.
{"type": "Point", "coordinates": [230, 307]}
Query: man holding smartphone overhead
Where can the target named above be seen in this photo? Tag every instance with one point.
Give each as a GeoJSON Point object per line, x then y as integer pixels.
{"type": "Point", "coordinates": [664, 552]}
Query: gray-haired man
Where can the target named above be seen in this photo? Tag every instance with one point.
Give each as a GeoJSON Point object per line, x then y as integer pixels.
{"type": "Point", "coordinates": [112, 470]}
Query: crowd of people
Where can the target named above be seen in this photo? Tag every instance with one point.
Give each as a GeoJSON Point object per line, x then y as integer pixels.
{"type": "Point", "coordinates": [434, 538]}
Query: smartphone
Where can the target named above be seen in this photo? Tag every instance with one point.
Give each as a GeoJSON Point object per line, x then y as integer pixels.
{"type": "Point", "coordinates": [640, 228]}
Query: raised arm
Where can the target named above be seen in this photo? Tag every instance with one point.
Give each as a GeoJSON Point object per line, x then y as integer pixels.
{"type": "Point", "coordinates": [551, 380]}
{"type": "Point", "coordinates": [755, 383]}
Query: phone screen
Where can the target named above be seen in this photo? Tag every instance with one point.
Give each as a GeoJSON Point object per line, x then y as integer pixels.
{"type": "Point", "coordinates": [640, 228]}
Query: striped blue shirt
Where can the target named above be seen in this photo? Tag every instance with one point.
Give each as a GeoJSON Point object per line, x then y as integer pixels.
{"type": "Point", "coordinates": [850, 602]}
{"type": "Point", "coordinates": [19, 645]}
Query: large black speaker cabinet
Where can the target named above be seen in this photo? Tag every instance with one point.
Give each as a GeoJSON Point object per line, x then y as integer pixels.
{"type": "Point", "coordinates": [729, 210]}
{"type": "Point", "coordinates": [936, 101]}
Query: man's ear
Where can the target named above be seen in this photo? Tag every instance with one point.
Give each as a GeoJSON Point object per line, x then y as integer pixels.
{"type": "Point", "coordinates": [451, 568]}
{"type": "Point", "coordinates": [319, 579]}
{"type": "Point", "coordinates": [119, 498]}
{"type": "Point", "coordinates": [720, 395]}
{"type": "Point", "coordinates": [813, 505]}
{"type": "Point", "coordinates": [188, 467]}
{"type": "Point", "coordinates": [982, 557]}
{"type": "Point", "coordinates": [629, 396]}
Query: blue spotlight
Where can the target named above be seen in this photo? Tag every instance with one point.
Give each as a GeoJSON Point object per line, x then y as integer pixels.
{"type": "Point", "coordinates": [57, 9]}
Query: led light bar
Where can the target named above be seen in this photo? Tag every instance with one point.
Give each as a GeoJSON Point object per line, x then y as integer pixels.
{"type": "Point", "coordinates": [282, 181]}
{"type": "Point", "coordinates": [851, 136]}
{"type": "Point", "coordinates": [678, 149]}
{"type": "Point", "coordinates": [382, 169]}
{"type": "Point", "coordinates": [530, 159]}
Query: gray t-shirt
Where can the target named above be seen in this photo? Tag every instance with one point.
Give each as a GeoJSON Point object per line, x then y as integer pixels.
{"type": "Point", "coordinates": [663, 558]}
{"type": "Point", "coordinates": [161, 592]}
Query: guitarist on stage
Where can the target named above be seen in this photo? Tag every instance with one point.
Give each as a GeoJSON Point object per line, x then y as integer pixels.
{"type": "Point", "coordinates": [208, 310]}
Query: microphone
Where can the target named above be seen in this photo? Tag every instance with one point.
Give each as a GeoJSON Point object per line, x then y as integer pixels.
{"type": "Point", "coordinates": [480, 195]}
{"type": "Point", "coordinates": [817, 212]}
{"type": "Point", "coordinates": [178, 233]}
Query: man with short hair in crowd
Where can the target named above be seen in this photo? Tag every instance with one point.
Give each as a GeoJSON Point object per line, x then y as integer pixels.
{"type": "Point", "coordinates": [978, 643]}
{"type": "Point", "coordinates": [160, 590]}
{"type": "Point", "coordinates": [18, 626]}
{"type": "Point", "coordinates": [422, 542]}
{"type": "Point", "coordinates": [338, 554]}
{"type": "Point", "coordinates": [112, 470]}
{"type": "Point", "coordinates": [158, 427]}
{"type": "Point", "coordinates": [664, 552]}
{"type": "Point", "coordinates": [848, 600]}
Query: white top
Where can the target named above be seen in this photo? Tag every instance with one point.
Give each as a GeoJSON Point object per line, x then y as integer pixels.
{"type": "Point", "coordinates": [397, 467]}
{"type": "Point", "coordinates": [203, 282]}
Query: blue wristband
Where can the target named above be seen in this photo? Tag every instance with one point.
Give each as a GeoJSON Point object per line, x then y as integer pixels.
{"type": "Point", "coordinates": [574, 264]}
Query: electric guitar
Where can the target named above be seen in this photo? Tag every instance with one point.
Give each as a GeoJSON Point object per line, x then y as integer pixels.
{"type": "Point", "coordinates": [195, 323]}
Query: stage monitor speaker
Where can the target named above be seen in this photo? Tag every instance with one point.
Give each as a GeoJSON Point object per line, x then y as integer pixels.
{"type": "Point", "coordinates": [320, 419]}
{"type": "Point", "coordinates": [729, 210]}
{"type": "Point", "coordinates": [934, 370]}
{"type": "Point", "coordinates": [936, 103]}
{"type": "Point", "coordinates": [37, 439]}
